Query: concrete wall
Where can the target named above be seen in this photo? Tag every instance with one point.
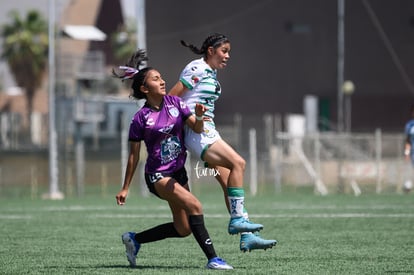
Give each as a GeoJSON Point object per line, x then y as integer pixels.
{"type": "Point", "coordinates": [285, 49]}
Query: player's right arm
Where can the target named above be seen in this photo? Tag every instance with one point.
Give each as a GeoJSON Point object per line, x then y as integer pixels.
{"type": "Point", "coordinates": [133, 158]}
{"type": "Point", "coordinates": [407, 148]}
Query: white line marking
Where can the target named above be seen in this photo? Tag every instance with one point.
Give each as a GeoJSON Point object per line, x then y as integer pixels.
{"type": "Point", "coordinates": [269, 216]}
{"type": "Point", "coordinates": [15, 217]}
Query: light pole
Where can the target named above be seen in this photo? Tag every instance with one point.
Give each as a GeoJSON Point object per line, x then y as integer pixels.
{"type": "Point", "coordinates": [54, 192]}
{"type": "Point", "coordinates": [141, 25]}
{"type": "Point", "coordinates": [341, 63]}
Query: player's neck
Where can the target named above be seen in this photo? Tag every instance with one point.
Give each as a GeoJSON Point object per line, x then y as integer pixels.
{"type": "Point", "coordinates": [155, 102]}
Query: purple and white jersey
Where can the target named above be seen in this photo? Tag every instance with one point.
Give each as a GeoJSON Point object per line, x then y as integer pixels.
{"type": "Point", "coordinates": [163, 134]}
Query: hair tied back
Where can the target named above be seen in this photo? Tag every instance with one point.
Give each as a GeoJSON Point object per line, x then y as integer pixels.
{"type": "Point", "coordinates": [132, 67]}
{"type": "Point", "coordinates": [124, 72]}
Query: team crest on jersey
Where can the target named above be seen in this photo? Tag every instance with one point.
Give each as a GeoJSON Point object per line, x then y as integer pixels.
{"type": "Point", "coordinates": [174, 111]}
{"type": "Point", "coordinates": [170, 149]}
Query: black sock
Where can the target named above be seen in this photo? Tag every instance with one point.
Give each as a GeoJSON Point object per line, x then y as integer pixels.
{"type": "Point", "coordinates": [160, 232]}
{"type": "Point", "coordinates": [201, 235]}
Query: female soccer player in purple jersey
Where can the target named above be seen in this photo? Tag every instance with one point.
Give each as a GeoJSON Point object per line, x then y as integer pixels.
{"type": "Point", "coordinates": [198, 84]}
{"type": "Point", "coordinates": [409, 137]}
{"type": "Point", "coordinates": [159, 123]}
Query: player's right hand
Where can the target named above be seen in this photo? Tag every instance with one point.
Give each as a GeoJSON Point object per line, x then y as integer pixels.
{"type": "Point", "coordinates": [121, 197]}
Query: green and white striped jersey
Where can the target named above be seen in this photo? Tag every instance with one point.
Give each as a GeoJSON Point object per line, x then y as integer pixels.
{"type": "Point", "coordinates": [204, 88]}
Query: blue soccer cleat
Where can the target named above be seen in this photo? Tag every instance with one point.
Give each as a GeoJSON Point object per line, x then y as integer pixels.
{"type": "Point", "coordinates": [252, 241]}
{"type": "Point", "coordinates": [239, 225]}
{"type": "Point", "coordinates": [132, 247]}
{"type": "Point", "coordinates": [218, 263]}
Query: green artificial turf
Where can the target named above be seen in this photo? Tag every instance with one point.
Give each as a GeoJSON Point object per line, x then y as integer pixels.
{"type": "Point", "coordinates": [333, 234]}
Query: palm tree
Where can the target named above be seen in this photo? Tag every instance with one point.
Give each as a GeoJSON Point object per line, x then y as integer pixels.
{"type": "Point", "coordinates": [124, 42]}
{"type": "Point", "coordinates": [25, 46]}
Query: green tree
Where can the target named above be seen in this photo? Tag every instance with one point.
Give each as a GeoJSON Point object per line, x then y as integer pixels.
{"type": "Point", "coordinates": [25, 46]}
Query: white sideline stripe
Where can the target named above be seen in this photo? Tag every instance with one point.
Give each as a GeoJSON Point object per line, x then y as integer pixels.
{"type": "Point", "coordinates": [15, 217]}
{"type": "Point", "coordinates": [312, 216]}
{"type": "Point", "coordinates": [337, 215]}
{"type": "Point", "coordinates": [225, 216]}
{"type": "Point", "coordinates": [144, 208]}
{"type": "Point", "coordinates": [94, 208]}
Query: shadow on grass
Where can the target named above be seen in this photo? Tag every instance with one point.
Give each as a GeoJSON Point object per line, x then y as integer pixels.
{"type": "Point", "coordinates": [119, 268]}
{"type": "Point", "coordinates": [148, 267]}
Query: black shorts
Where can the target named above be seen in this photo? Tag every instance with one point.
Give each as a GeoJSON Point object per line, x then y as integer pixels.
{"type": "Point", "coordinates": [180, 176]}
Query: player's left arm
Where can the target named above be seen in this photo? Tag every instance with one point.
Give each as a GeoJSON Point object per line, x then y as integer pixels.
{"type": "Point", "coordinates": [195, 122]}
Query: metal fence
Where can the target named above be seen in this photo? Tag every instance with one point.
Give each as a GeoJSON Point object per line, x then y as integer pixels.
{"type": "Point", "coordinates": [283, 158]}
{"type": "Point", "coordinates": [277, 160]}
{"type": "Point", "coordinates": [331, 162]}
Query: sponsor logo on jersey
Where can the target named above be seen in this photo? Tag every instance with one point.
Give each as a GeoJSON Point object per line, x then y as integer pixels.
{"type": "Point", "coordinates": [150, 121]}
{"type": "Point", "coordinates": [183, 104]}
{"type": "Point", "coordinates": [195, 79]}
{"type": "Point", "coordinates": [166, 129]}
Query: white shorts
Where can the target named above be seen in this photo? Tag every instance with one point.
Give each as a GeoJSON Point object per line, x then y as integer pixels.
{"type": "Point", "coordinates": [197, 144]}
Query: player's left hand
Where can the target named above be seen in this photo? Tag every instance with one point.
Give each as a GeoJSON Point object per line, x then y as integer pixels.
{"type": "Point", "coordinates": [200, 109]}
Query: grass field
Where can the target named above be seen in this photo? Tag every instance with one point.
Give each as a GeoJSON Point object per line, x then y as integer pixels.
{"type": "Point", "coordinates": [335, 234]}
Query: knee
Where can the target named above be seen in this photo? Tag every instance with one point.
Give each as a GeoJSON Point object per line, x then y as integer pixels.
{"type": "Point", "coordinates": [240, 163]}
{"type": "Point", "coordinates": [195, 207]}
{"type": "Point", "coordinates": [183, 230]}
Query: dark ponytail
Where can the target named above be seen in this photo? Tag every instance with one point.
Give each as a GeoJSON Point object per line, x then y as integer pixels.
{"type": "Point", "coordinates": [214, 40]}
{"type": "Point", "coordinates": [132, 70]}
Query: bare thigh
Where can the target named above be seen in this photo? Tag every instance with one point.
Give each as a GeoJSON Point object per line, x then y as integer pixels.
{"type": "Point", "coordinates": [222, 154]}
{"type": "Point", "coordinates": [181, 201]}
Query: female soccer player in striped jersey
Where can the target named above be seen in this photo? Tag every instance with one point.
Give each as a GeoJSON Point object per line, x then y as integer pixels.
{"type": "Point", "coordinates": [198, 84]}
